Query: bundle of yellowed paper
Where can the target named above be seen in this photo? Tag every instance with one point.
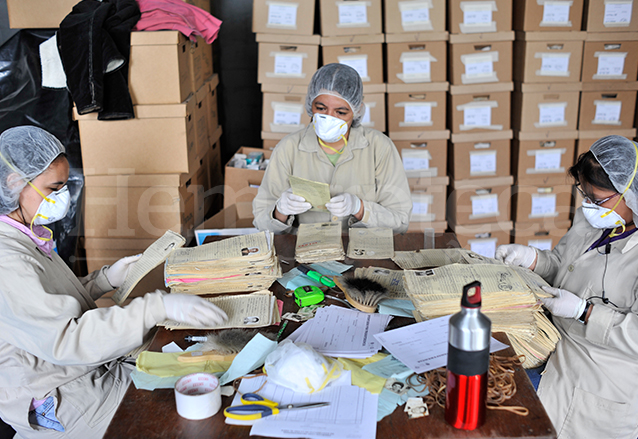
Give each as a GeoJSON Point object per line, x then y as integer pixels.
{"type": "Point", "coordinates": [318, 242]}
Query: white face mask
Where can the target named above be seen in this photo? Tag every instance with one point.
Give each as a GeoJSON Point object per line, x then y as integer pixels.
{"type": "Point", "coordinates": [329, 129]}
{"type": "Point", "coordinates": [594, 215]}
{"type": "Point", "coordinates": [53, 208]}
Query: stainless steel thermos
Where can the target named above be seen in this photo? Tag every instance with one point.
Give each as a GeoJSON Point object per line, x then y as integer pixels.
{"type": "Point", "coordinates": [468, 362]}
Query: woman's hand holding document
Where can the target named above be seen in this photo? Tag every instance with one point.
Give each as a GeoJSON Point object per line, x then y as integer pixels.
{"type": "Point", "coordinates": [315, 193]}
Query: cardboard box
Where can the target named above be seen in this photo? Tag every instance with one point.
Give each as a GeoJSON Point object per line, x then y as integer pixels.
{"type": "Point", "coordinates": [587, 138]}
{"type": "Point", "coordinates": [546, 107]}
{"type": "Point", "coordinates": [480, 108]}
{"type": "Point", "coordinates": [240, 184]}
{"type": "Point", "coordinates": [417, 111]}
{"type": "Point", "coordinates": [609, 108]}
{"type": "Point", "coordinates": [416, 62]}
{"type": "Point", "coordinates": [414, 16]}
{"type": "Point", "coordinates": [201, 62]}
{"type": "Point", "coordinates": [421, 226]}
{"type": "Point", "coordinates": [353, 17]}
{"type": "Point", "coordinates": [159, 70]}
{"type": "Point", "coordinates": [296, 17]}
{"type": "Point", "coordinates": [284, 113]}
{"type": "Point", "coordinates": [430, 162]}
{"type": "Point", "coordinates": [543, 234]}
{"type": "Point", "coordinates": [479, 201]}
{"type": "Point", "coordinates": [139, 206]}
{"type": "Point", "coordinates": [610, 61]}
{"type": "Point", "coordinates": [212, 106]}
{"type": "Point", "coordinates": [366, 59]}
{"type": "Point", "coordinates": [556, 59]}
{"type": "Point", "coordinates": [480, 62]}
{"type": "Point", "coordinates": [374, 116]}
{"type": "Point", "coordinates": [532, 15]}
{"type": "Point", "coordinates": [287, 64]}
{"type": "Point", "coordinates": [106, 251]}
{"type": "Point", "coordinates": [201, 120]}
{"type": "Point", "coordinates": [610, 16]}
{"type": "Point", "coordinates": [483, 239]}
{"type": "Point", "coordinates": [37, 14]}
{"type": "Point", "coordinates": [543, 161]}
{"type": "Point", "coordinates": [201, 4]}
{"type": "Point", "coordinates": [531, 202]}
{"type": "Point", "coordinates": [490, 158]}
{"type": "Point", "coordinates": [428, 204]}
{"type": "Point", "coordinates": [160, 140]}
{"type": "Point", "coordinates": [471, 17]}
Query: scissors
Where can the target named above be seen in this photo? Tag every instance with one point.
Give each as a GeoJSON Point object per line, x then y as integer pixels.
{"type": "Point", "coordinates": [255, 407]}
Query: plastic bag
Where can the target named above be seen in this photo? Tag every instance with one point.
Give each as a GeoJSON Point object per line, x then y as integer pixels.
{"type": "Point", "coordinates": [299, 367]}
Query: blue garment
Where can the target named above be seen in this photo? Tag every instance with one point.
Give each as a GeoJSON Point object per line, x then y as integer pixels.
{"type": "Point", "coordinates": [535, 375]}
{"type": "Point", "coordinates": [44, 416]}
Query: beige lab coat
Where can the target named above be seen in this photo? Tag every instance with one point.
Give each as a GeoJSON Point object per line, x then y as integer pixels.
{"type": "Point", "coordinates": [54, 341]}
{"type": "Point", "coordinates": [369, 168]}
{"type": "Point", "coordinates": [590, 384]}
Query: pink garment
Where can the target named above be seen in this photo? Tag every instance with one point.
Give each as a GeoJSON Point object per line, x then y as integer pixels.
{"type": "Point", "coordinates": [178, 15]}
{"type": "Point", "coordinates": [45, 246]}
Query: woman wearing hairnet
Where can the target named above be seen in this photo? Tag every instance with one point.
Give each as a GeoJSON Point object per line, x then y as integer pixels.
{"type": "Point", "coordinates": [367, 182]}
{"type": "Point", "coordinates": [62, 365]}
{"type": "Point", "coordinates": [590, 383]}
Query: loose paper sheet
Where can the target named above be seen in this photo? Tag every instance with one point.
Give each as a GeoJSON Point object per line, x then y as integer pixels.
{"type": "Point", "coordinates": [409, 260]}
{"type": "Point", "coordinates": [370, 243]}
{"type": "Point", "coordinates": [317, 194]}
{"type": "Point", "coordinates": [154, 255]}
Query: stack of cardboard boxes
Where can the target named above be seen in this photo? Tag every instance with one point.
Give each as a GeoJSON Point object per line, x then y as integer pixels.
{"type": "Point", "coordinates": [151, 174]}
{"type": "Point", "coordinates": [416, 66]}
{"type": "Point", "coordinates": [480, 74]}
{"type": "Point", "coordinates": [549, 44]}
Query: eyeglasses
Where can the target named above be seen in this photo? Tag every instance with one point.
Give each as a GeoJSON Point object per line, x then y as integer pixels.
{"type": "Point", "coordinates": [596, 202]}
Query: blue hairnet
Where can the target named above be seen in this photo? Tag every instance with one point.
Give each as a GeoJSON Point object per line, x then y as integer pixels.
{"type": "Point", "coordinates": [338, 80]}
{"type": "Point", "coordinates": [25, 153]}
{"type": "Point", "coordinates": [618, 157]}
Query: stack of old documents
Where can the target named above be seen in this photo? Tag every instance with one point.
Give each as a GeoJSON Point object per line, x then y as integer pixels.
{"type": "Point", "coordinates": [240, 263]}
{"type": "Point", "coordinates": [318, 242]}
{"type": "Point", "coordinates": [370, 243]}
{"type": "Point", "coordinates": [509, 296]}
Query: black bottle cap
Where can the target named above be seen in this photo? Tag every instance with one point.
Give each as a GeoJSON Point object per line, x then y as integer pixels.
{"type": "Point", "coordinates": [471, 295]}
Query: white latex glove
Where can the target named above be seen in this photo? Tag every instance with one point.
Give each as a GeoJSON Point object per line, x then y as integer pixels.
{"type": "Point", "coordinates": [344, 204]}
{"type": "Point", "coordinates": [193, 310]}
{"type": "Point", "coordinates": [117, 272]}
{"type": "Point", "coordinates": [564, 303]}
{"type": "Point", "coordinates": [291, 204]}
{"type": "Point", "coordinates": [516, 254]}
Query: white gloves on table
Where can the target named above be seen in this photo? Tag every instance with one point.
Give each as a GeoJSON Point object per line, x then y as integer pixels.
{"type": "Point", "coordinates": [344, 204]}
{"type": "Point", "coordinates": [564, 303]}
{"type": "Point", "coordinates": [193, 310]}
{"type": "Point", "coordinates": [516, 254]}
{"type": "Point", "coordinates": [116, 273]}
{"type": "Point", "coordinates": [291, 204]}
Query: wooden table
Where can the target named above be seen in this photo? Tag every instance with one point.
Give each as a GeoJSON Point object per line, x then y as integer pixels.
{"type": "Point", "coordinates": [147, 415]}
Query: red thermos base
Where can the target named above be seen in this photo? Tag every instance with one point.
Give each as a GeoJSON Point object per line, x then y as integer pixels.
{"type": "Point", "coordinates": [465, 400]}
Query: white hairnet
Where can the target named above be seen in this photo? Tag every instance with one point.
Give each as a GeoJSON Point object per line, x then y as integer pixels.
{"type": "Point", "coordinates": [618, 157]}
{"type": "Point", "coordinates": [338, 80]}
{"type": "Point", "coordinates": [25, 153]}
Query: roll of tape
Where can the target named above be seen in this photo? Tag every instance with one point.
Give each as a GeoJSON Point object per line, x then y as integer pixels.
{"type": "Point", "coordinates": [198, 396]}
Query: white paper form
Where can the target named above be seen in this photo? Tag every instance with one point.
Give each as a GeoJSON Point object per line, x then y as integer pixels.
{"type": "Point", "coordinates": [282, 15]}
{"type": "Point", "coordinates": [415, 16]}
{"type": "Point", "coordinates": [289, 64]}
{"type": "Point", "coordinates": [617, 13]}
{"type": "Point", "coordinates": [607, 113]}
{"type": "Point", "coordinates": [354, 14]}
{"type": "Point", "coordinates": [556, 13]}
{"type": "Point", "coordinates": [477, 116]}
{"type": "Point", "coordinates": [423, 346]}
{"type": "Point", "coordinates": [484, 205]}
{"type": "Point", "coordinates": [553, 64]}
{"type": "Point", "coordinates": [551, 114]}
{"type": "Point", "coordinates": [482, 162]}
{"type": "Point", "coordinates": [548, 160]}
{"type": "Point", "coordinates": [610, 65]}
{"type": "Point", "coordinates": [543, 205]}
{"type": "Point", "coordinates": [352, 412]}
{"type": "Point", "coordinates": [357, 62]}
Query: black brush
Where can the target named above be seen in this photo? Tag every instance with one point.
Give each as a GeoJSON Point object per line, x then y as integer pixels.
{"type": "Point", "coordinates": [363, 293]}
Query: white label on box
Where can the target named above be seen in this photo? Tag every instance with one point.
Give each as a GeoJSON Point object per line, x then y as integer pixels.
{"type": "Point", "coordinates": [286, 118]}
{"type": "Point", "coordinates": [416, 163]}
{"type": "Point", "coordinates": [357, 62]}
{"type": "Point", "coordinates": [483, 247]}
{"type": "Point", "coordinates": [484, 205]}
{"type": "Point", "coordinates": [479, 13]}
{"type": "Point", "coordinates": [477, 116]}
{"type": "Point", "coordinates": [420, 114]}
{"type": "Point", "coordinates": [554, 64]}
{"type": "Point", "coordinates": [548, 160]}
{"type": "Point", "coordinates": [420, 208]}
{"type": "Point", "coordinates": [365, 121]}
{"type": "Point", "coordinates": [415, 15]}
{"type": "Point", "coordinates": [479, 67]}
{"type": "Point", "coordinates": [289, 64]}
{"type": "Point", "coordinates": [353, 14]}
{"type": "Point", "coordinates": [617, 13]}
{"type": "Point", "coordinates": [551, 114]}
{"type": "Point", "coordinates": [409, 16]}
{"type": "Point", "coordinates": [610, 65]}
{"type": "Point", "coordinates": [543, 205]}
{"type": "Point", "coordinates": [607, 113]}
{"type": "Point", "coordinates": [482, 162]}
{"type": "Point", "coordinates": [417, 67]}
{"type": "Point", "coordinates": [556, 13]}
{"type": "Point", "coordinates": [541, 244]}
{"type": "Point", "coordinates": [282, 15]}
